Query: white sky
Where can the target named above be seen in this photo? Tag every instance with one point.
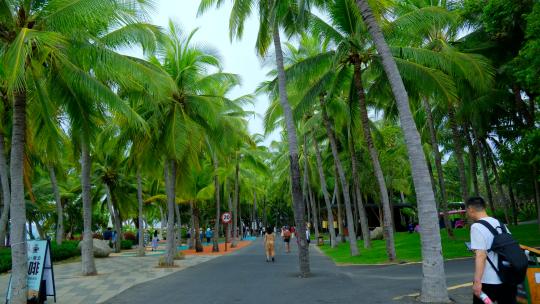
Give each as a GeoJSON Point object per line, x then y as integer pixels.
{"type": "Point", "coordinates": [238, 57]}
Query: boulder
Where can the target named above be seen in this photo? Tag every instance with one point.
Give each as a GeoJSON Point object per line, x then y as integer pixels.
{"type": "Point", "coordinates": [376, 234]}
{"type": "Point", "coordinates": [101, 248]}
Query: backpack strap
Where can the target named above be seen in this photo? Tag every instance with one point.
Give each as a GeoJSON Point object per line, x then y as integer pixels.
{"type": "Point", "coordinates": [488, 226]}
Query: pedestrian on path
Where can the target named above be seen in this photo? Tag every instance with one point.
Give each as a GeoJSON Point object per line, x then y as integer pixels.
{"type": "Point", "coordinates": [155, 241]}
{"type": "Point", "coordinates": [209, 235]}
{"type": "Point", "coordinates": [486, 278]}
{"type": "Point", "coordinates": [269, 245]}
{"type": "Point", "coordinates": [287, 239]}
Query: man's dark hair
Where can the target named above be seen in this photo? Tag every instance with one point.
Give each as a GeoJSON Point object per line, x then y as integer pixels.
{"type": "Point", "coordinates": [269, 230]}
{"type": "Point", "coordinates": [476, 202]}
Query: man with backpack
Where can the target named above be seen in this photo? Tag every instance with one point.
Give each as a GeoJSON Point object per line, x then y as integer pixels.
{"type": "Point", "coordinates": [500, 264]}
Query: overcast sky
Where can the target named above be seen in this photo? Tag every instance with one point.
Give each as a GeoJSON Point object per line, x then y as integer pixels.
{"type": "Point", "coordinates": [238, 57]}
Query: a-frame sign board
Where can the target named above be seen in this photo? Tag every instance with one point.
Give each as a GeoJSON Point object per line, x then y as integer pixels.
{"type": "Point", "coordinates": [40, 273]}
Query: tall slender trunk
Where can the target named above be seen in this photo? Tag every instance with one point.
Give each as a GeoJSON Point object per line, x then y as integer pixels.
{"type": "Point", "coordinates": [502, 196]}
{"type": "Point", "coordinates": [388, 229]}
{"type": "Point", "coordinates": [141, 249]}
{"type": "Point", "coordinates": [230, 208]}
{"type": "Point", "coordinates": [87, 247]}
{"type": "Point", "coordinates": [458, 152]}
{"type": "Point", "coordinates": [314, 212]}
{"type": "Point", "coordinates": [178, 222]}
{"type": "Point", "coordinates": [341, 235]}
{"type": "Point", "coordinates": [59, 207]}
{"type": "Point", "coordinates": [322, 178]}
{"type": "Point", "coordinates": [434, 279]}
{"type": "Point", "coordinates": [115, 217]}
{"type": "Point", "coordinates": [6, 192]}
{"type": "Point", "coordinates": [485, 175]}
{"type": "Point", "coordinates": [473, 163]}
{"type": "Point", "coordinates": [194, 232]}
{"type": "Point", "coordinates": [196, 226]}
{"type": "Point", "coordinates": [438, 167]}
{"type": "Point", "coordinates": [171, 201]}
{"type": "Point", "coordinates": [18, 208]}
{"type": "Point", "coordinates": [299, 211]}
{"type": "Point", "coordinates": [234, 239]}
{"type": "Point", "coordinates": [358, 190]}
{"type": "Point", "coordinates": [514, 204]}
{"type": "Point", "coordinates": [215, 246]}
{"type": "Point", "coordinates": [40, 230]}
{"type": "Point", "coordinates": [344, 183]}
{"type": "Point", "coordinates": [310, 199]}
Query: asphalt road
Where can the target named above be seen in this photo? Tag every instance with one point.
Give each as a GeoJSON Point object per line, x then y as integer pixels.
{"type": "Point", "coordinates": [245, 277]}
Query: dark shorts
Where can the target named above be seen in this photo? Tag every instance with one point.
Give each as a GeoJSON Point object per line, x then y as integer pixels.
{"type": "Point", "coordinates": [501, 293]}
{"type": "Point", "coordinates": [287, 240]}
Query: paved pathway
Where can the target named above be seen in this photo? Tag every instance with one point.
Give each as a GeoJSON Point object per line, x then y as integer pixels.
{"type": "Point", "coordinates": [244, 277]}
{"type": "Point", "coordinates": [115, 275]}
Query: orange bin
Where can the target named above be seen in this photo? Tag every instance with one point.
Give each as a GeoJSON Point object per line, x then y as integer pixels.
{"type": "Point", "coordinates": [529, 291]}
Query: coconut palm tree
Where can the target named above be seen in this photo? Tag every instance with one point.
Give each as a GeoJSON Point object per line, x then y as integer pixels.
{"type": "Point", "coordinates": [434, 281]}
{"type": "Point", "coordinates": [273, 16]}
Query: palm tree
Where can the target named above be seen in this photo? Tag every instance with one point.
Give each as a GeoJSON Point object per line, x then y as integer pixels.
{"type": "Point", "coordinates": [434, 281]}
{"type": "Point", "coordinates": [274, 15]}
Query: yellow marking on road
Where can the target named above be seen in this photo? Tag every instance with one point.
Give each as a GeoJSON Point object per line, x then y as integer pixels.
{"type": "Point", "coordinates": [418, 294]}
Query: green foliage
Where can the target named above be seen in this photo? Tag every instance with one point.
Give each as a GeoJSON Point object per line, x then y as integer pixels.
{"type": "Point", "coordinates": [409, 250]}
{"type": "Point", "coordinates": [67, 250]}
{"type": "Point", "coordinates": [5, 260]}
{"type": "Point", "coordinates": [126, 244]}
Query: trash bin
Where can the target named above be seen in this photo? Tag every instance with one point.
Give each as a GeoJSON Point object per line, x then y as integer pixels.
{"type": "Point", "coordinates": [320, 241]}
{"type": "Point", "coordinates": [529, 291]}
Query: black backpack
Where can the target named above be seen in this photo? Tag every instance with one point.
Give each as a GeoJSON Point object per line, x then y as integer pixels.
{"type": "Point", "coordinates": [513, 263]}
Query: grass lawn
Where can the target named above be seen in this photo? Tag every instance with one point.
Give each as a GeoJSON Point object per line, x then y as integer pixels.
{"type": "Point", "coordinates": [408, 246]}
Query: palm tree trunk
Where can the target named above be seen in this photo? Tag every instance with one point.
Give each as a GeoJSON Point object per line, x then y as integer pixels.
{"type": "Point", "coordinates": [357, 188]}
{"type": "Point", "coordinates": [514, 204]}
{"type": "Point", "coordinates": [18, 207]}
{"type": "Point", "coordinates": [502, 196]}
{"type": "Point", "coordinates": [298, 206]}
{"type": "Point", "coordinates": [193, 234]}
{"type": "Point", "coordinates": [141, 249]}
{"type": "Point", "coordinates": [434, 280]}
{"type": "Point", "coordinates": [438, 166]}
{"type": "Point", "coordinates": [458, 150]}
{"type": "Point", "coordinates": [59, 207]}
{"type": "Point", "coordinates": [215, 247]}
{"type": "Point", "coordinates": [115, 219]}
{"type": "Point", "coordinates": [473, 163]}
{"type": "Point", "coordinates": [341, 233]}
{"type": "Point", "coordinates": [310, 199]}
{"type": "Point", "coordinates": [322, 178]}
{"type": "Point", "coordinates": [171, 201]}
{"type": "Point", "coordinates": [344, 183]}
{"type": "Point", "coordinates": [6, 195]}
{"type": "Point", "coordinates": [388, 229]}
{"type": "Point", "coordinates": [485, 175]}
{"type": "Point", "coordinates": [196, 226]}
{"type": "Point", "coordinates": [178, 225]}
{"type": "Point", "coordinates": [234, 239]}
{"type": "Point", "coordinates": [87, 256]}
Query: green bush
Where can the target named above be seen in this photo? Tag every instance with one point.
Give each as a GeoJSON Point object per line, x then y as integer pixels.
{"type": "Point", "coordinates": [126, 244]}
{"type": "Point", "coordinates": [130, 236]}
{"type": "Point", "coordinates": [5, 260]}
{"type": "Point", "coordinates": [67, 250]}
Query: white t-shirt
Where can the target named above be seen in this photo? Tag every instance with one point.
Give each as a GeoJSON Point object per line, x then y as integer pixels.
{"type": "Point", "coordinates": [481, 239]}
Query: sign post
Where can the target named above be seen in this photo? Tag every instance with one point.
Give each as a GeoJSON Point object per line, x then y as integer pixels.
{"type": "Point", "coordinates": [226, 219]}
{"type": "Point", "coordinates": [40, 279]}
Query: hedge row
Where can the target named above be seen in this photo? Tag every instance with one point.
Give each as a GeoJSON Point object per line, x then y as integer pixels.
{"type": "Point", "coordinates": [67, 250]}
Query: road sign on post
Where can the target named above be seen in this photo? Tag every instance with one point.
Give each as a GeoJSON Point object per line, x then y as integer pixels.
{"type": "Point", "coordinates": [226, 218]}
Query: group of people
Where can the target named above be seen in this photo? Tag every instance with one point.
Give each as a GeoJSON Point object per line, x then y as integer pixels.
{"type": "Point", "coordinates": [287, 233]}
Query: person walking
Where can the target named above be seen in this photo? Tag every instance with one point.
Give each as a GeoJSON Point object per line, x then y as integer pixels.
{"type": "Point", "coordinates": [269, 241]}
{"type": "Point", "coordinates": [287, 239]}
{"type": "Point", "coordinates": [201, 234]}
{"type": "Point", "coordinates": [155, 241]}
{"type": "Point", "coordinates": [486, 278]}
{"type": "Point", "coordinates": [209, 235]}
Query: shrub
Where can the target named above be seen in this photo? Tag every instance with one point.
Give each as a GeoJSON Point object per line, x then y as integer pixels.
{"type": "Point", "coordinates": [130, 236]}
{"type": "Point", "coordinates": [5, 260]}
{"type": "Point", "coordinates": [126, 244]}
{"type": "Point", "coordinates": [67, 250]}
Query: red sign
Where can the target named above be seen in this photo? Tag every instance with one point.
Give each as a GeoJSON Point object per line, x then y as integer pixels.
{"type": "Point", "coordinates": [226, 217]}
